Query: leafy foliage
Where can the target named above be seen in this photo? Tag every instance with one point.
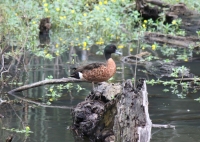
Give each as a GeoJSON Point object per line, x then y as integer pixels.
{"type": "Point", "coordinates": [81, 23]}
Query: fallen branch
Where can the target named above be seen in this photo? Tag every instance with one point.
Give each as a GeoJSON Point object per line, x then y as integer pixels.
{"type": "Point", "coordinates": [187, 79]}
{"type": "Point", "coordinates": [45, 82]}
{"type": "Point", "coordinates": [163, 126]}
{"type": "Point", "coordinates": [173, 40]}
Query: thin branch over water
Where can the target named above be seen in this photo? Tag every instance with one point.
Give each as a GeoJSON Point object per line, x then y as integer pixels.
{"type": "Point", "coordinates": [45, 82]}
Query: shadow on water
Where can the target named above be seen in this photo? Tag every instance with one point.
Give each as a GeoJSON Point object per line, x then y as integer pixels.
{"type": "Point", "coordinates": [51, 124]}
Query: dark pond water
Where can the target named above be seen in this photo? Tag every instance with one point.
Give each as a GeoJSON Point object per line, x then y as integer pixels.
{"type": "Point", "coordinates": [51, 124]}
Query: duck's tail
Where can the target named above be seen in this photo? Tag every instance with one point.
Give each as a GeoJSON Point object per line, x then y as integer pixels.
{"type": "Point", "coordinates": [75, 74]}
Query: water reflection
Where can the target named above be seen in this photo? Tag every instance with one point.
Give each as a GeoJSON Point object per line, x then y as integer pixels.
{"type": "Point", "coordinates": [50, 124]}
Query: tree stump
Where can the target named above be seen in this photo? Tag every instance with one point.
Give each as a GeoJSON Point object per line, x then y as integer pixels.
{"type": "Point", "coordinates": [132, 122]}
{"type": "Point", "coordinates": [114, 112]}
{"type": "Point", "coordinates": [94, 117]}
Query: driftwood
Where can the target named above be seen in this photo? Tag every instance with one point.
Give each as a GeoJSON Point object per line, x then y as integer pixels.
{"type": "Point", "coordinates": [114, 112]}
{"type": "Point", "coordinates": [173, 40]}
{"type": "Point", "coordinates": [45, 82]}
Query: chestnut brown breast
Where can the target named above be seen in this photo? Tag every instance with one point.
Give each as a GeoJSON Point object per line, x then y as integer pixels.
{"type": "Point", "coordinates": [102, 73]}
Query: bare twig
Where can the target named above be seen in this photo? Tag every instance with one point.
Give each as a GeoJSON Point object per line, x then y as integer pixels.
{"type": "Point", "coordinates": [163, 126]}
{"type": "Point", "coordinates": [2, 63]}
{"type": "Point", "coordinates": [6, 70]}
{"type": "Point", "coordinates": [2, 101]}
{"type": "Point", "coordinates": [44, 82]}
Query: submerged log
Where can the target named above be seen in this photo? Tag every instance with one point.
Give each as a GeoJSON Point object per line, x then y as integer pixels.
{"type": "Point", "coordinates": [114, 112]}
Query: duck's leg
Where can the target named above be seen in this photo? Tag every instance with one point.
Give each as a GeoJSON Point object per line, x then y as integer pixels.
{"type": "Point", "coordinates": [93, 86]}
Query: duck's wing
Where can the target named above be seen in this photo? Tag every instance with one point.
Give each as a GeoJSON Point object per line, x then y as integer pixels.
{"type": "Point", "coordinates": [77, 72]}
{"type": "Point", "coordinates": [89, 67]}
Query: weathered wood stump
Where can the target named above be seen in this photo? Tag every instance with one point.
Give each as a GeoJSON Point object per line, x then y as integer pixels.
{"type": "Point", "coordinates": [114, 112]}
{"type": "Point", "coordinates": [132, 122]}
{"type": "Point", "coordinates": [94, 117]}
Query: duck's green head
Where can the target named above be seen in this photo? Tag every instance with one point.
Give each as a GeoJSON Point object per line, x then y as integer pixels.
{"type": "Point", "coordinates": [109, 49]}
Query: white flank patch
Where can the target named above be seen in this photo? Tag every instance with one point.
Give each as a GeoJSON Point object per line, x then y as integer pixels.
{"type": "Point", "coordinates": [80, 75]}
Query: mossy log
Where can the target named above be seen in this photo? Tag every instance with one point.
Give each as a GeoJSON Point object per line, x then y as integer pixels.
{"type": "Point", "coordinates": [114, 112]}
